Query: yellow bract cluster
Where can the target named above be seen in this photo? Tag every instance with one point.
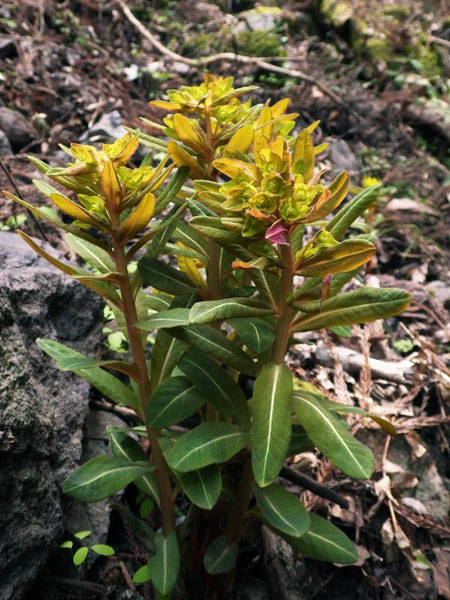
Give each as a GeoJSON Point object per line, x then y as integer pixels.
{"type": "Point", "coordinates": [220, 123]}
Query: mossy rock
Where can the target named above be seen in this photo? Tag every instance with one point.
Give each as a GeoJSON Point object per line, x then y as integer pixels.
{"type": "Point", "coordinates": [199, 44]}
{"type": "Point", "coordinates": [258, 43]}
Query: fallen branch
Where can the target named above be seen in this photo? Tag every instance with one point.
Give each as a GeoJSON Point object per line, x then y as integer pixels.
{"type": "Point", "coordinates": [206, 60]}
{"type": "Point", "coordinates": [311, 485]}
{"type": "Point", "coordinates": [352, 362]}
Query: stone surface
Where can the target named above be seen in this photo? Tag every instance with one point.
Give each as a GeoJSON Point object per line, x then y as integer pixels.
{"type": "Point", "coordinates": [259, 19]}
{"type": "Point", "coordinates": [17, 128]}
{"type": "Point", "coordinates": [41, 409]}
{"type": "Point", "coordinates": [342, 157]}
{"type": "Point", "coordinates": [5, 146]}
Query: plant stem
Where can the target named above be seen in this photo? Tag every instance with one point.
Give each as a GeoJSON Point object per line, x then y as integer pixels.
{"type": "Point", "coordinates": [284, 320]}
{"type": "Point", "coordinates": [214, 282]}
{"type": "Point", "coordinates": [145, 390]}
{"type": "Point", "coordinates": [244, 495]}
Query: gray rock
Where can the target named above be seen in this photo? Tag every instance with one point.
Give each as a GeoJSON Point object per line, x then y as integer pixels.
{"type": "Point", "coordinates": [342, 156]}
{"type": "Point", "coordinates": [5, 146]}
{"type": "Point", "coordinates": [17, 128]}
{"type": "Point", "coordinates": [41, 409]}
{"type": "Point", "coordinates": [107, 129]}
{"type": "Point", "coordinates": [258, 19]}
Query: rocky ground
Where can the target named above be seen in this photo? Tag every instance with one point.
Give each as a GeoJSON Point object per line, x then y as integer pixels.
{"type": "Point", "coordinates": [376, 74]}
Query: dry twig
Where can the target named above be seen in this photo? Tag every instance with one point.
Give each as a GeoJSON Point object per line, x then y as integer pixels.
{"type": "Point", "coordinates": [206, 60]}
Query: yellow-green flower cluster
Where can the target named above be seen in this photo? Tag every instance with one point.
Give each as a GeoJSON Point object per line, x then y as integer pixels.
{"type": "Point", "coordinates": [268, 190]}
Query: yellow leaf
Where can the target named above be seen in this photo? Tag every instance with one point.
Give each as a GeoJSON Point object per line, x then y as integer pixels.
{"type": "Point", "coordinates": [75, 211]}
{"type": "Point", "coordinates": [166, 105]}
{"type": "Point", "coordinates": [265, 116]}
{"type": "Point", "coordinates": [111, 187]}
{"type": "Point", "coordinates": [182, 159]}
{"type": "Point", "coordinates": [138, 219]}
{"type": "Point", "coordinates": [280, 107]}
{"type": "Point", "coordinates": [242, 139]}
{"type": "Point", "coordinates": [233, 166]}
{"type": "Point", "coordinates": [188, 266]}
{"type": "Point", "coordinates": [303, 156]}
{"type": "Point", "coordinates": [331, 198]}
{"type": "Point", "coordinates": [187, 134]}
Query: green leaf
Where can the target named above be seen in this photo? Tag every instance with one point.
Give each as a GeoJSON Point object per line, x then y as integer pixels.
{"type": "Point", "coordinates": [207, 444]}
{"type": "Point", "coordinates": [220, 557]}
{"type": "Point", "coordinates": [164, 277]}
{"type": "Point", "coordinates": [268, 286]}
{"type": "Point", "coordinates": [67, 544]}
{"type": "Point", "coordinates": [325, 542]}
{"type": "Point", "coordinates": [283, 510]}
{"type": "Point", "coordinates": [341, 258]}
{"type": "Point", "coordinates": [81, 535]}
{"type": "Point", "coordinates": [342, 330]}
{"type": "Point", "coordinates": [331, 438]}
{"type": "Point", "coordinates": [156, 302]}
{"type": "Point", "coordinates": [271, 428]}
{"type": "Point", "coordinates": [80, 556]}
{"type": "Point", "coordinates": [352, 210]}
{"type": "Point", "coordinates": [213, 228]}
{"type": "Point", "coordinates": [188, 236]}
{"type": "Point", "coordinates": [102, 477]}
{"type": "Point", "coordinates": [214, 383]}
{"type": "Point", "coordinates": [166, 353]}
{"type": "Point", "coordinates": [360, 306]}
{"type": "Point", "coordinates": [106, 383]}
{"type": "Point", "coordinates": [213, 343]}
{"type": "Point", "coordinates": [299, 441]}
{"type": "Point", "coordinates": [175, 317]}
{"type": "Point", "coordinates": [228, 308]}
{"type": "Point", "coordinates": [142, 575]}
{"type": "Point", "coordinates": [172, 402]}
{"type": "Point", "coordinates": [172, 188]}
{"type": "Point", "coordinates": [258, 335]}
{"type": "Point", "coordinates": [91, 253]}
{"type": "Point", "coordinates": [103, 549]}
{"type": "Point", "coordinates": [163, 567]}
{"type": "Point", "coordinates": [124, 446]}
{"type": "Point", "coordinates": [202, 486]}
{"type": "Point", "coordinates": [339, 408]}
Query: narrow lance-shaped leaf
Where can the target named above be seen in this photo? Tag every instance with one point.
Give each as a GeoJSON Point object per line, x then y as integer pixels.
{"type": "Point", "coordinates": [124, 446]}
{"type": "Point", "coordinates": [164, 277]}
{"type": "Point", "coordinates": [258, 335]}
{"type": "Point", "coordinates": [165, 319]}
{"type": "Point", "coordinates": [138, 219]}
{"type": "Point", "coordinates": [214, 383]}
{"type": "Point", "coordinates": [352, 210]}
{"type": "Point", "coordinates": [341, 258]}
{"type": "Point", "coordinates": [360, 306]}
{"type": "Point", "coordinates": [172, 402]}
{"type": "Point", "coordinates": [220, 556]}
{"type": "Point", "coordinates": [102, 288]}
{"type": "Point", "coordinates": [282, 509]}
{"type": "Point", "coordinates": [324, 542]}
{"type": "Point", "coordinates": [228, 308]}
{"type": "Point", "coordinates": [102, 477]}
{"type": "Point", "coordinates": [207, 444]}
{"type": "Point", "coordinates": [92, 254]}
{"type": "Point", "coordinates": [76, 211]}
{"type": "Point", "coordinates": [165, 564]}
{"type": "Point", "coordinates": [331, 438]}
{"type": "Point", "coordinates": [212, 342]}
{"type": "Point", "coordinates": [166, 353]}
{"type": "Point", "coordinates": [69, 360]}
{"type": "Point", "coordinates": [106, 383]}
{"type": "Point", "coordinates": [271, 428]}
